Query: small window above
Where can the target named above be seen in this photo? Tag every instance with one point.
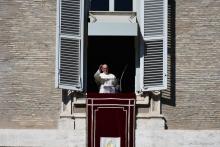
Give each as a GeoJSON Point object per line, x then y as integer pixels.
{"type": "Point", "coordinates": [111, 5]}
{"type": "Point", "coordinates": [99, 5]}
{"type": "Point", "coordinates": [123, 5]}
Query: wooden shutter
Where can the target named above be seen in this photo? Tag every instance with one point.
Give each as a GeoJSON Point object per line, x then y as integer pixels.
{"type": "Point", "coordinates": [153, 19]}
{"type": "Point", "coordinates": [70, 29]}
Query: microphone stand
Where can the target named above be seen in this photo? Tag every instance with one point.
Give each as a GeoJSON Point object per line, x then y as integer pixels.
{"type": "Point", "coordinates": [120, 88]}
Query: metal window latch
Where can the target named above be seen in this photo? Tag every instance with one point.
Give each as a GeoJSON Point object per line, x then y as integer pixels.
{"type": "Point", "coordinates": [93, 19]}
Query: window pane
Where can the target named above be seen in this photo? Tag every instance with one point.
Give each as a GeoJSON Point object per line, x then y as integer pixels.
{"type": "Point", "coordinates": [123, 5]}
{"type": "Point", "coordinates": [99, 5]}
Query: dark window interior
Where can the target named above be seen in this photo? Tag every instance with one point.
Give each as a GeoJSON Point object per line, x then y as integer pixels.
{"type": "Point", "coordinates": [99, 5]}
{"type": "Point", "coordinates": [117, 52]}
{"type": "Point", "coordinates": [103, 5]}
{"type": "Point", "coordinates": [123, 5]}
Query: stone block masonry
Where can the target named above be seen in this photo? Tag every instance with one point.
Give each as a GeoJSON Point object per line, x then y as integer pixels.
{"type": "Point", "coordinates": [192, 99]}
{"type": "Point", "coordinates": [28, 98]}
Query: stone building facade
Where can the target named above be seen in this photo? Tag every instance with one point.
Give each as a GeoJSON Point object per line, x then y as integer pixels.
{"type": "Point", "coordinates": [192, 101]}
{"type": "Point", "coordinates": [28, 98]}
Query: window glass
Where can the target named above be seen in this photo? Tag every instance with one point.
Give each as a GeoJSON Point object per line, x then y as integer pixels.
{"type": "Point", "coordinates": [99, 5]}
{"type": "Point", "coordinates": [123, 5]}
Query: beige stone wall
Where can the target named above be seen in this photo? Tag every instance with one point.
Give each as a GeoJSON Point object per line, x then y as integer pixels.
{"type": "Point", "coordinates": [192, 100]}
{"type": "Point", "coordinates": [28, 98]}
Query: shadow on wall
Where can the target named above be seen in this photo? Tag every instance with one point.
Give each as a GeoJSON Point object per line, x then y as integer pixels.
{"type": "Point", "coordinates": [66, 98]}
{"type": "Point", "coordinates": [169, 95]}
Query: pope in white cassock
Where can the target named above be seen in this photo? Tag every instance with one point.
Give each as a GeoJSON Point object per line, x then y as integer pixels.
{"type": "Point", "coordinates": [106, 80]}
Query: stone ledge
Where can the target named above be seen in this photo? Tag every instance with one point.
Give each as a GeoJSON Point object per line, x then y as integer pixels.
{"type": "Point", "coordinates": [139, 101]}
{"type": "Point", "coordinates": [42, 138]}
{"type": "Point", "coordinates": [79, 101]}
{"type": "Point", "coordinates": [150, 123]}
{"type": "Point", "coordinates": [74, 115]}
{"type": "Point", "coordinates": [139, 115]}
{"type": "Point", "coordinates": [148, 138]}
{"type": "Point", "coordinates": [149, 115]}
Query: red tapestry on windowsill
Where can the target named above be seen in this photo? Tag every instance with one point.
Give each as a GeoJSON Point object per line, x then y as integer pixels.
{"type": "Point", "coordinates": [110, 116]}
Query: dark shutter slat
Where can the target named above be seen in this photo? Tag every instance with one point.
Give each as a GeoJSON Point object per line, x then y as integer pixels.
{"type": "Point", "coordinates": [70, 17]}
{"type": "Point", "coordinates": [154, 44]}
{"type": "Point", "coordinates": [69, 61]}
{"type": "Point", "coordinates": [153, 18]}
{"type": "Point", "coordinates": [69, 45]}
{"type": "Point", "coordinates": [153, 69]}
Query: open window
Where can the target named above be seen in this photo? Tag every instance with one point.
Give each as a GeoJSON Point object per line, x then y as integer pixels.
{"type": "Point", "coordinates": [146, 59]}
{"type": "Point", "coordinates": [116, 51]}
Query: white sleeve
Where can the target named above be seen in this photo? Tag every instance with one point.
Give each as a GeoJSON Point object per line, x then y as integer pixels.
{"type": "Point", "coordinates": [114, 81]}
{"type": "Point", "coordinates": [97, 77]}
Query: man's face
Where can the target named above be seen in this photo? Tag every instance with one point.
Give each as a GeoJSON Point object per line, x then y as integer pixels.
{"type": "Point", "coordinates": [105, 68]}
